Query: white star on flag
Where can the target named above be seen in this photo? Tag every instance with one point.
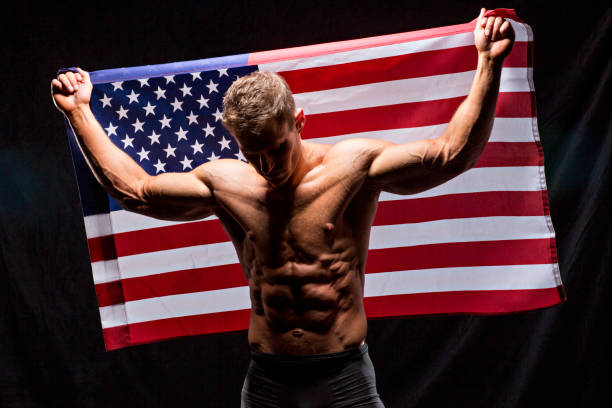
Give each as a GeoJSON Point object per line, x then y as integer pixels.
{"type": "Point", "coordinates": [133, 97]}
{"type": "Point", "coordinates": [182, 134]}
{"type": "Point", "coordinates": [138, 126]}
{"type": "Point", "coordinates": [154, 138]}
{"type": "Point", "coordinates": [176, 105]}
{"type": "Point", "coordinates": [150, 109]}
{"type": "Point", "coordinates": [169, 151]}
{"type": "Point", "coordinates": [144, 154]}
{"type": "Point", "coordinates": [195, 75]}
{"type": "Point", "coordinates": [224, 143]}
{"type": "Point", "coordinates": [240, 156]}
{"type": "Point", "coordinates": [223, 71]}
{"type": "Point", "coordinates": [186, 163]}
{"type": "Point", "coordinates": [203, 101]}
{"type": "Point", "coordinates": [127, 141]}
{"type": "Point", "coordinates": [122, 112]}
{"type": "Point", "coordinates": [185, 90]}
{"type": "Point", "coordinates": [212, 87]}
{"type": "Point", "coordinates": [213, 156]}
{"type": "Point", "coordinates": [161, 93]}
{"type": "Point", "coordinates": [159, 166]}
{"type": "Point", "coordinates": [144, 82]}
{"type": "Point", "coordinates": [165, 121]}
{"type": "Point", "coordinates": [197, 147]}
{"type": "Point", "coordinates": [111, 130]}
{"type": "Point", "coordinates": [117, 85]}
{"type": "Point", "coordinates": [106, 101]}
{"type": "Point", "coordinates": [169, 78]}
{"type": "Point", "coordinates": [192, 118]}
{"type": "Point", "coordinates": [218, 115]}
{"type": "Point", "coordinates": [209, 130]}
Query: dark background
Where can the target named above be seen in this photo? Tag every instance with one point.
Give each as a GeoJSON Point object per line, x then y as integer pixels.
{"type": "Point", "coordinates": [51, 346]}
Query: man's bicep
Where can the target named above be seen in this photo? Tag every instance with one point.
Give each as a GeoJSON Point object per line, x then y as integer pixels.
{"type": "Point", "coordinates": [411, 167]}
{"type": "Point", "coordinates": [175, 196]}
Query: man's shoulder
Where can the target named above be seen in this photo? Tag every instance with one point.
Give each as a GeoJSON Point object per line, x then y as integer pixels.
{"type": "Point", "coordinates": [222, 165]}
{"type": "Point", "coordinates": [356, 147]}
{"type": "Point", "coordinates": [223, 169]}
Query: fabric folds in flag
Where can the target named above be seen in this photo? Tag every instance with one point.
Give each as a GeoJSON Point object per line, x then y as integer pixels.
{"type": "Point", "coordinates": [481, 243]}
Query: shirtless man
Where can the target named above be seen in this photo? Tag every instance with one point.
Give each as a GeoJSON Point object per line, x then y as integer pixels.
{"type": "Point", "coordinates": [299, 215]}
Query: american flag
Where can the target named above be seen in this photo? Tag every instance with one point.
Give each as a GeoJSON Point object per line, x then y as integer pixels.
{"type": "Point", "coordinates": [480, 243]}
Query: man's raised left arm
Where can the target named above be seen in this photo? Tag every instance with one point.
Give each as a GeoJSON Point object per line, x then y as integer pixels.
{"type": "Point", "coordinates": [417, 166]}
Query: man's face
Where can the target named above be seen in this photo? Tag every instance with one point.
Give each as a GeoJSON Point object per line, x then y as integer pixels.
{"type": "Point", "coordinates": [275, 153]}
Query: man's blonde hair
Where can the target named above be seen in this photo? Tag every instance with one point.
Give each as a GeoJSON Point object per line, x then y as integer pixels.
{"type": "Point", "coordinates": [255, 98]}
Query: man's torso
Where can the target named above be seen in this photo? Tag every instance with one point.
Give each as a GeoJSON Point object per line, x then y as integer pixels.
{"type": "Point", "coordinates": [303, 249]}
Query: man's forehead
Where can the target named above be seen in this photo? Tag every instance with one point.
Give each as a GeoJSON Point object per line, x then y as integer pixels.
{"type": "Point", "coordinates": [271, 136]}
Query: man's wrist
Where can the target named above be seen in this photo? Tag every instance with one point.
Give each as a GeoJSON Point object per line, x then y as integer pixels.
{"type": "Point", "coordinates": [80, 112]}
{"type": "Point", "coordinates": [486, 61]}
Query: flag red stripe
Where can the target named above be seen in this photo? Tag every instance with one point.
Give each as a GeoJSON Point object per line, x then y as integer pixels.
{"type": "Point", "coordinates": [156, 239]}
{"type": "Point", "coordinates": [458, 254]}
{"type": "Point", "coordinates": [499, 203]}
{"type": "Point", "coordinates": [171, 283]}
{"type": "Point", "coordinates": [406, 115]}
{"type": "Point", "coordinates": [262, 57]}
{"type": "Point", "coordinates": [414, 65]}
{"type": "Point", "coordinates": [466, 205]}
{"type": "Point", "coordinates": [147, 332]}
{"type": "Point", "coordinates": [502, 154]}
{"type": "Point", "coordinates": [472, 302]}
{"type": "Point", "coordinates": [376, 307]}
{"type": "Point", "coordinates": [101, 248]}
{"type": "Point", "coordinates": [315, 50]}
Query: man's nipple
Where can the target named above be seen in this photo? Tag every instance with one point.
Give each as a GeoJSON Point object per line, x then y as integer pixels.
{"type": "Point", "coordinates": [328, 227]}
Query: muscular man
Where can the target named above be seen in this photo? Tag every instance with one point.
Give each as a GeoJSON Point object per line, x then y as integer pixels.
{"type": "Point", "coordinates": [299, 215]}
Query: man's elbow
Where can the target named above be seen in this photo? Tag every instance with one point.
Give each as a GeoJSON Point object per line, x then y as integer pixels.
{"type": "Point", "coordinates": [452, 160]}
{"type": "Point", "coordinates": [132, 197]}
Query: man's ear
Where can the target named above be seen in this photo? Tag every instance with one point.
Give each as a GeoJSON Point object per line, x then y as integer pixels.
{"type": "Point", "coordinates": [300, 119]}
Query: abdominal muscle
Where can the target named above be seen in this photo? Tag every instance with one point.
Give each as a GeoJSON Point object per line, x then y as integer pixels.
{"type": "Point", "coordinates": [307, 308]}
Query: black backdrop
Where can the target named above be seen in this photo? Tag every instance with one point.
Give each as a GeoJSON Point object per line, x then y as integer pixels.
{"type": "Point", "coordinates": [51, 346]}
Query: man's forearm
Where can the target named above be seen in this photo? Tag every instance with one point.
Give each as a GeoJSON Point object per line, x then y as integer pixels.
{"type": "Point", "coordinates": [112, 167]}
{"type": "Point", "coordinates": [469, 129]}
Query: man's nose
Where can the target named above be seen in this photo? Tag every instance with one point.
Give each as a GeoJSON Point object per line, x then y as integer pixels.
{"type": "Point", "coordinates": [266, 164]}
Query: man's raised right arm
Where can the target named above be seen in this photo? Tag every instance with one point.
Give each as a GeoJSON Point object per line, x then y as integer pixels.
{"type": "Point", "coordinates": [174, 196]}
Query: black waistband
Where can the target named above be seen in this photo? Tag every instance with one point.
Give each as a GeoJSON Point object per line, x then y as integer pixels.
{"type": "Point", "coordinates": [310, 359]}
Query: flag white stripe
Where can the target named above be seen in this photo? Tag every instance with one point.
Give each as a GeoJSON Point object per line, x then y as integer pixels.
{"type": "Point", "coordinates": [364, 54]}
{"type": "Point", "coordinates": [504, 130]}
{"type": "Point", "coordinates": [151, 263]}
{"type": "Point", "coordinates": [188, 304]}
{"type": "Point", "coordinates": [409, 47]}
{"type": "Point", "coordinates": [105, 271]}
{"type": "Point", "coordinates": [506, 277]}
{"type": "Point", "coordinates": [381, 236]}
{"type": "Point", "coordinates": [409, 90]}
{"type": "Point", "coordinates": [458, 230]}
{"type": "Point", "coordinates": [524, 178]}
{"type": "Point", "coordinates": [481, 179]}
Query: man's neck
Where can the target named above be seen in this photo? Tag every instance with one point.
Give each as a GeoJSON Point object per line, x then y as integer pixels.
{"type": "Point", "coordinates": [306, 162]}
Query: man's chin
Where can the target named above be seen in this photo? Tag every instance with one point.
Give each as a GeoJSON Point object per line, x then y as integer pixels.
{"type": "Point", "coordinates": [277, 181]}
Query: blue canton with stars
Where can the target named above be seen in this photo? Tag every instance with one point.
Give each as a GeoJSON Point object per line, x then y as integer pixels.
{"type": "Point", "coordinates": [169, 123]}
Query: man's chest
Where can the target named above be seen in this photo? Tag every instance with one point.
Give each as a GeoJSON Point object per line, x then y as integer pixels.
{"type": "Point", "coordinates": [300, 222]}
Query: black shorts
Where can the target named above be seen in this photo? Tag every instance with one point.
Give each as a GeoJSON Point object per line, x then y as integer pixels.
{"type": "Point", "coordinates": [343, 379]}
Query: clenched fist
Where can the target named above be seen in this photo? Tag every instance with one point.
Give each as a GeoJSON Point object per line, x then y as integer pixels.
{"type": "Point", "coordinates": [71, 90]}
{"type": "Point", "coordinates": [494, 36]}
